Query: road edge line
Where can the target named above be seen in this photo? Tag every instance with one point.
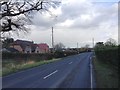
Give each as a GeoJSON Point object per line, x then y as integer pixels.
{"type": "Point", "coordinates": [91, 78]}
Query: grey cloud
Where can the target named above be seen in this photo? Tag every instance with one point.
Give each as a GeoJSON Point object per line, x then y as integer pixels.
{"type": "Point", "coordinates": [41, 22]}
{"type": "Point", "coordinates": [74, 11]}
{"type": "Point", "coordinates": [106, 14]}
{"type": "Point", "coordinates": [101, 25]}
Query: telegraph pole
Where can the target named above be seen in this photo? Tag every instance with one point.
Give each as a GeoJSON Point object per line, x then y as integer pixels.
{"type": "Point", "coordinates": [93, 42]}
{"type": "Point", "coordinates": [77, 45]}
{"type": "Point", "coordinates": [77, 48]}
{"type": "Point", "coordinates": [52, 41]}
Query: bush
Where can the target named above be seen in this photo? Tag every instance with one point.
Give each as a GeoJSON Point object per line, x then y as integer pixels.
{"type": "Point", "coordinates": [34, 56]}
{"type": "Point", "coordinates": [59, 54]}
{"type": "Point", "coordinates": [25, 56]}
{"type": "Point", "coordinates": [108, 55]}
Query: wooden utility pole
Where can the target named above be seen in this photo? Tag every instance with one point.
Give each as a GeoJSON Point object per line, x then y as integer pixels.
{"type": "Point", "coordinates": [77, 45]}
{"type": "Point", "coordinates": [52, 41]}
{"type": "Point", "coordinates": [77, 48]}
{"type": "Point", "coordinates": [93, 42]}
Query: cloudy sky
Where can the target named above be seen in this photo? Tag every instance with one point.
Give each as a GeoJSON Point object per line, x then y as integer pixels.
{"type": "Point", "coordinates": [76, 21]}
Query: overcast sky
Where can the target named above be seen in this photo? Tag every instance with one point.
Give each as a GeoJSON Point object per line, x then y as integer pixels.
{"type": "Point", "coordinates": [76, 21]}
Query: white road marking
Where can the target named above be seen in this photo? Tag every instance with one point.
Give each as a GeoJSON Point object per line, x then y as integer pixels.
{"type": "Point", "coordinates": [70, 63]}
{"type": "Point", "coordinates": [91, 78]}
{"type": "Point", "coordinates": [50, 74]}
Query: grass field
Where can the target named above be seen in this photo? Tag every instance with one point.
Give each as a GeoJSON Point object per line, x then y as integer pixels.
{"type": "Point", "coordinates": [11, 66]}
{"type": "Point", "coordinates": [106, 75]}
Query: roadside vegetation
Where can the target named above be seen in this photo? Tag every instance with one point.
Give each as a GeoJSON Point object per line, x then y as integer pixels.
{"type": "Point", "coordinates": [14, 62]}
{"type": "Point", "coordinates": [13, 66]}
{"type": "Point", "coordinates": [106, 64]}
{"type": "Point", "coordinates": [106, 76]}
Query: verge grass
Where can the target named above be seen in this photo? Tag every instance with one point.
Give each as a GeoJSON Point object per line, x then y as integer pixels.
{"type": "Point", "coordinates": [11, 66]}
{"type": "Point", "coordinates": [106, 75]}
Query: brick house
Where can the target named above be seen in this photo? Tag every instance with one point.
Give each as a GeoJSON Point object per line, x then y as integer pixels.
{"type": "Point", "coordinates": [29, 47]}
{"type": "Point", "coordinates": [42, 48]}
{"type": "Point", "coordinates": [17, 47]}
{"type": "Point", "coordinates": [22, 46]}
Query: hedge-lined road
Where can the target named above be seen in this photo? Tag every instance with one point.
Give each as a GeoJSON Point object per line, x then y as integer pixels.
{"type": "Point", "coordinates": [69, 72]}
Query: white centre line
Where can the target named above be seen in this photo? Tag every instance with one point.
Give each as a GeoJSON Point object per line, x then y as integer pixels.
{"type": "Point", "coordinates": [70, 63]}
{"type": "Point", "coordinates": [50, 74]}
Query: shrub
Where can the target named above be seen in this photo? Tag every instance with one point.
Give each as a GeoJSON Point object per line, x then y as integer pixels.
{"type": "Point", "coordinates": [25, 56]}
{"type": "Point", "coordinates": [108, 55]}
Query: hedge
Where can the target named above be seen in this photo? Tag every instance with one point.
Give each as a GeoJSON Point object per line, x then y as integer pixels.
{"type": "Point", "coordinates": [108, 56]}
{"type": "Point", "coordinates": [24, 56]}
{"type": "Point", "coordinates": [34, 56]}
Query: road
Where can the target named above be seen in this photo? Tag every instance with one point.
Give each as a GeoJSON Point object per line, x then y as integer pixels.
{"type": "Point", "coordinates": [69, 72]}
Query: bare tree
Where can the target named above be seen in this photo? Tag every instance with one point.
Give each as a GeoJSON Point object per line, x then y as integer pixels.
{"type": "Point", "coordinates": [15, 14]}
{"type": "Point", "coordinates": [110, 42]}
{"type": "Point", "coordinates": [59, 46]}
{"type": "Point", "coordinates": [87, 46]}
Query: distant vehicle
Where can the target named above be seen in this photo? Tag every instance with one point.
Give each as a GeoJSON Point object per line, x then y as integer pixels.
{"type": "Point", "coordinates": [89, 50]}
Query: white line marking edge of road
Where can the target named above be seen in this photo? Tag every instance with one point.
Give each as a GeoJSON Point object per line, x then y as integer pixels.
{"type": "Point", "coordinates": [91, 78]}
{"type": "Point", "coordinates": [91, 73]}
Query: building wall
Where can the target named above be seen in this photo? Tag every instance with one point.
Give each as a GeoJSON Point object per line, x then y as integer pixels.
{"type": "Point", "coordinates": [44, 50]}
{"type": "Point", "coordinates": [37, 50]}
{"type": "Point", "coordinates": [28, 49]}
{"type": "Point", "coordinates": [17, 47]}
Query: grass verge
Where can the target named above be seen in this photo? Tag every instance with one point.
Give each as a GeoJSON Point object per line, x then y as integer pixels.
{"type": "Point", "coordinates": [106, 75]}
{"type": "Point", "coordinates": [12, 68]}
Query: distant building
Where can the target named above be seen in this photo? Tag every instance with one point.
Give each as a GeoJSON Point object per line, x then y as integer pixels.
{"type": "Point", "coordinates": [34, 48]}
{"type": "Point", "coordinates": [42, 48]}
{"type": "Point", "coordinates": [10, 50]}
{"type": "Point", "coordinates": [29, 47]}
{"type": "Point", "coordinates": [17, 47]}
{"type": "Point", "coordinates": [22, 46]}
